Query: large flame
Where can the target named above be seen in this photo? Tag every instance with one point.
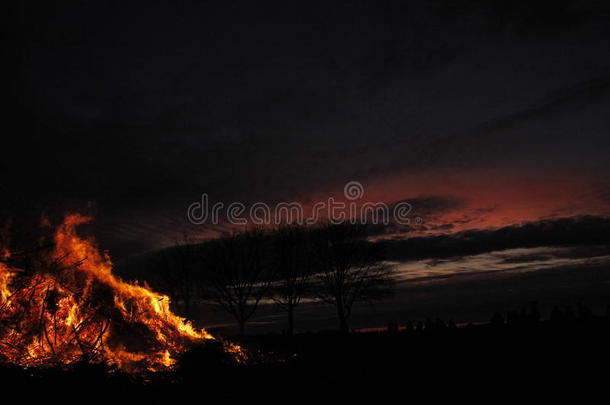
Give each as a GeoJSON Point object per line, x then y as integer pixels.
{"type": "Point", "coordinates": [70, 307]}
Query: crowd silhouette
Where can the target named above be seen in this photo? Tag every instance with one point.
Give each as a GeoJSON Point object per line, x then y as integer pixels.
{"type": "Point", "coordinates": [525, 317]}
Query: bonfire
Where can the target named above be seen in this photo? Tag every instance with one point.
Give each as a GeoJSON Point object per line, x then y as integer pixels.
{"type": "Point", "coordinates": [69, 307]}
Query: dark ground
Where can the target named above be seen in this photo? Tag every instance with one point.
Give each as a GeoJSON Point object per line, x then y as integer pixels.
{"type": "Point", "coordinates": [317, 367]}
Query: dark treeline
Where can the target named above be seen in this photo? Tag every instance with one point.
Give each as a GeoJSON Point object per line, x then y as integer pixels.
{"type": "Point", "coordinates": [333, 264]}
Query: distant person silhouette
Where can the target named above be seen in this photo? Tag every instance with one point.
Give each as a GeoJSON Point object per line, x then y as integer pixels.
{"type": "Point", "coordinates": [497, 319]}
{"type": "Point", "coordinates": [568, 315]}
{"type": "Point", "coordinates": [429, 325]}
{"type": "Point", "coordinates": [584, 313]}
{"type": "Point", "coordinates": [557, 317]}
{"type": "Point", "coordinates": [534, 314]}
{"type": "Point", "coordinates": [439, 324]}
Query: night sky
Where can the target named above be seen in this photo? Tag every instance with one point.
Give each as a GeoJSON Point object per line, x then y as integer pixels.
{"type": "Point", "coordinates": [483, 115]}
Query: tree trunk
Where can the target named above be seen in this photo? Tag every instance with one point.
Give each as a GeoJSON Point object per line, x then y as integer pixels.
{"type": "Point", "coordinates": [343, 327]}
{"type": "Point", "coordinates": [290, 331]}
{"type": "Point", "coordinates": [242, 327]}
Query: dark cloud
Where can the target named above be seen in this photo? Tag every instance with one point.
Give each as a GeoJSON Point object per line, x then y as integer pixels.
{"type": "Point", "coordinates": [586, 231]}
{"type": "Point", "coordinates": [574, 252]}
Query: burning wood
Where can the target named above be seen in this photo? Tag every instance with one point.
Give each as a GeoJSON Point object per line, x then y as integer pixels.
{"type": "Point", "coordinates": [69, 307]}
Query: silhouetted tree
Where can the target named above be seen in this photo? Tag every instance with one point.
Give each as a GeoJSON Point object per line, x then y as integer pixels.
{"type": "Point", "coordinates": [349, 269]}
{"type": "Point", "coordinates": [235, 274]}
{"type": "Point", "coordinates": [292, 269]}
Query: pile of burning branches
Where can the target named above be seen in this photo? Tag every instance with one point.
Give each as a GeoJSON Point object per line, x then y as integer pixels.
{"type": "Point", "coordinates": [64, 305]}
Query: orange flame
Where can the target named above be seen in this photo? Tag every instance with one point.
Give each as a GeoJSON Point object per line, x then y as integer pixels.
{"type": "Point", "coordinates": [71, 307]}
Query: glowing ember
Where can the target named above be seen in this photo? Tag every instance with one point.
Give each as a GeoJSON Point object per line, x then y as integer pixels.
{"type": "Point", "coordinates": [70, 307]}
